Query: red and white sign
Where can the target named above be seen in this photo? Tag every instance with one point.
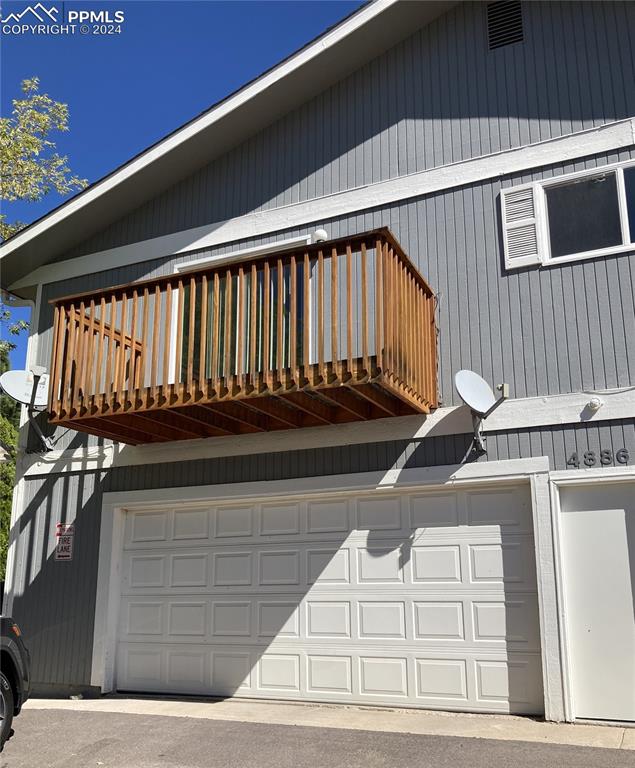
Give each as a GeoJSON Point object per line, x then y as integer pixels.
{"type": "Point", "coordinates": [65, 535]}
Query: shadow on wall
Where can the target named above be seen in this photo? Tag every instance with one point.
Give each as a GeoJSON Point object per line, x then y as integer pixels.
{"type": "Point", "coordinates": [498, 99]}
{"type": "Point", "coordinates": [325, 600]}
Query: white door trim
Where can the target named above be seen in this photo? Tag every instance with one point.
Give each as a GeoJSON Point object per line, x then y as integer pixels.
{"type": "Point", "coordinates": [558, 480]}
{"type": "Point", "coordinates": [535, 471]}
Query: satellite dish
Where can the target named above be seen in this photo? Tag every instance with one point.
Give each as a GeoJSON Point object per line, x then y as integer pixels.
{"type": "Point", "coordinates": [477, 394]}
{"type": "Point", "coordinates": [19, 386]}
{"type": "Point", "coordinates": [474, 391]}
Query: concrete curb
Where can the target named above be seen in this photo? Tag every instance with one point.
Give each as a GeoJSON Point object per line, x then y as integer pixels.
{"type": "Point", "coordinates": [503, 727]}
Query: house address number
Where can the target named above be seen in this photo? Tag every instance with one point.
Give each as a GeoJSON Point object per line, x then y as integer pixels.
{"type": "Point", "coordinates": [603, 457]}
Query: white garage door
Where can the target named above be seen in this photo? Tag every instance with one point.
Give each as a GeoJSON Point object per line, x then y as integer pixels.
{"type": "Point", "coordinates": [412, 599]}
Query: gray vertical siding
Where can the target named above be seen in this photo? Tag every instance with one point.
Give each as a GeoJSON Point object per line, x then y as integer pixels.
{"type": "Point", "coordinates": [562, 328]}
{"type": "Point", "coordinates": [438, 97]}
{"type": "Point", "coordinates": [55, 601]}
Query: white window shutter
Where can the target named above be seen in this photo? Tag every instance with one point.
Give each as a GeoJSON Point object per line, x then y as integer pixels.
{"type": "Point", "coordinates": [521, 236]}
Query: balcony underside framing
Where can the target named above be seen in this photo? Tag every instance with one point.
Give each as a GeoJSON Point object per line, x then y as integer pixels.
{"type": "Point", "coordinates": [220, 408]}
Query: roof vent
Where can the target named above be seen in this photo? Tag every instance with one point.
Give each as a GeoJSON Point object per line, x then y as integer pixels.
{"type": "Point", "coordinates": [504, 23]}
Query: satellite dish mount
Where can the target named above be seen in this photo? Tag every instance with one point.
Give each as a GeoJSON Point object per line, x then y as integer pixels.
{"type": "Point", "coordinates": [477, 394]}
{"type": "Point", "coordinates": [29, 388]}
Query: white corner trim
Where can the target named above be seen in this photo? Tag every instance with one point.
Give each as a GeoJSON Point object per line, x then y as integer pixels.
{"type": "Point", "coordinates": [546, 583]}
{"type": "Point", "coordinates": [214, 115]}
{"type": "Point", "coordinates": [522, 413]}
{"type": "Point", "coordinates": [606, 138]}
{"type": "Point", "coordinates": [115, 505]}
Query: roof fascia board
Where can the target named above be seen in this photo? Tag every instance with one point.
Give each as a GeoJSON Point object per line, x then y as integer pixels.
{"type": "Point", "coordinates": [607, 138]}
{"type": "Point", "coordinates": [215, 114]}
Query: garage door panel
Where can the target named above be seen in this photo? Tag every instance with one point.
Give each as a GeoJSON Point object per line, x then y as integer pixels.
{"type": "Point", "coordinates": [512, 682]}
{"type": "Point", "coordinates": [419, 599]}
{"type": "Point", "coordinates": [510, 563]}
{"type": "Point", "coordinates": [231, 672]}
{"type": "Point", "coordinates": [328, 516]}
{"type": "Point", "coordinates": [506, 508]}
{"type": "Point", "coordinates": [438, 511]}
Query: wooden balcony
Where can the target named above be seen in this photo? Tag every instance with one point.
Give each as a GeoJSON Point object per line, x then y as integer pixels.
{"type": "Point", "coordinates": [333, 332]}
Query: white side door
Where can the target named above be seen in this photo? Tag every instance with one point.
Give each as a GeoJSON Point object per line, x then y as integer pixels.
{"type": "Point", "coordinates": [598, 536]}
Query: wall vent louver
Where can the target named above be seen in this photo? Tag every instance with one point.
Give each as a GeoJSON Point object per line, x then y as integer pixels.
{"type": "Point", "coordinates": [504, 23]}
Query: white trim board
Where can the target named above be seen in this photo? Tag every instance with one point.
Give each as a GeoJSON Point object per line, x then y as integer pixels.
{"type": "Point", "coordinates": [115, 505]}
{"type": "Point", "coordinates": [606, 138]}
{"type": "Point", "coordinates": [522, 413]}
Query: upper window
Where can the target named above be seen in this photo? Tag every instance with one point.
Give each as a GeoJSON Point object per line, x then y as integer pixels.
{"type": "Point", "coordinates": [580, 216]}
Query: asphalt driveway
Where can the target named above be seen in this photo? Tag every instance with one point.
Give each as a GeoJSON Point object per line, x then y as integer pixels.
{"type": "Point", "coordinates": [74, 739]}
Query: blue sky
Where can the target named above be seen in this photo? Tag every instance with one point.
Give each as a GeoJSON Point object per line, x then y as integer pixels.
{"type": "Point", "coordinates": [171, 61]}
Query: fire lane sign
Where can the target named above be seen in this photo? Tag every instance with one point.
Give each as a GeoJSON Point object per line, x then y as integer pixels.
{"type": "Point", "coordinates": [65, 535]}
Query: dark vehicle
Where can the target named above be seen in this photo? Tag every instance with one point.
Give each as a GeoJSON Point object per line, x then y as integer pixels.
{"type": "Point", "coordinates": [15, 680]}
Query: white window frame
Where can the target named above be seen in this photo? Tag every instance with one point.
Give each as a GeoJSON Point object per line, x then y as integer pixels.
{"type": "Point", "coordinates": [246, 254]}
{"type": "Point", "coordinates": [542, 215]}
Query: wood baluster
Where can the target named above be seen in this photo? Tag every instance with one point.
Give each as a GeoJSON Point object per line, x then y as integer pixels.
{"type": "Point", "coordinates": [154, 365]}
{"type": "Point", "coordinates": [364, 278]}
{"type": "Point", "coordinates": [144, 340]}
{"type": "Point", "coordinates": [403, 335]}
{"type": "Point", "coordinates": [433, 350]}
{"type": "Point", "coordinates": [426, 335]}
{"type": "Point", "coordinates": [167, 345]}
{"type": "Point", "coordinates": [426, 344]}
{"type": "Point", "coordinates": [100, 347]}
{"type": "Point", "coordinates": [180, 327]}
{"type": "Point", "coordinates": [53, 384]}
{"type": "Point", "coordinates": [395, 313]}
{"type": "Point", "coordinates": [67, 399]}
{"type": "Point", "coordinates": [429, 350]}
{"type": "Point", "coordinates": [90, 357]}
{"type": "Point", "coordinates": [266, 328]}
{"type": "Point", "coordinates": [399, 317]}
{"type": "Point", "coordinates": [388, 302]}
{"type": "Point", "coordinates": [111, 356]}
{"type": "Point", "coordinates": [132, 375]}
{"type": "Point", "coordinates": [306, 315]}
{"type": "Point", "coordinates": [190, 341]}
{"type": "Point", "coordinates": [121, 352]}
{"type": "Point", "coordinates": [320, 317]}
{"type": "Point", "coordinates": [349, 309]}
{"type": "Point", "coordinates": [80, 342]}
{"type": "Point", "coordinates": [293, 329]}
{"type": "Point", "coordinates": [253, 326]}
{"type": "Point", "coordinates": [215, 341]}
{"type": "Point", "coordinates": [416, 336]}
{"type": "Point", "coordinates": [280, 323]}
{"type": "Point", "coordinates": [227, 372]}
{"type": "Point", "coordinates": [334, 312]}
{"type": "Point", "coordinates": [202, 370]}
{"type": "Point", "coordinates": [240, 298]}
{"type": "Point", "coordinates": [408, 317]}
{"type": "Point", "coordinates": [379, 307]}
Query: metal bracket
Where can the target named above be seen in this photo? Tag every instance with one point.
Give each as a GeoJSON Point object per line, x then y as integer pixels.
{"type": "Point", "coordinates": [479, 444]}
{"type": "Point", "coordinates": [38, 371]}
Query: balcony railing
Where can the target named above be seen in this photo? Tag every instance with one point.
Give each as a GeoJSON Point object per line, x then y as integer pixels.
{"type": "Point", "coordinates": [333, 332]}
